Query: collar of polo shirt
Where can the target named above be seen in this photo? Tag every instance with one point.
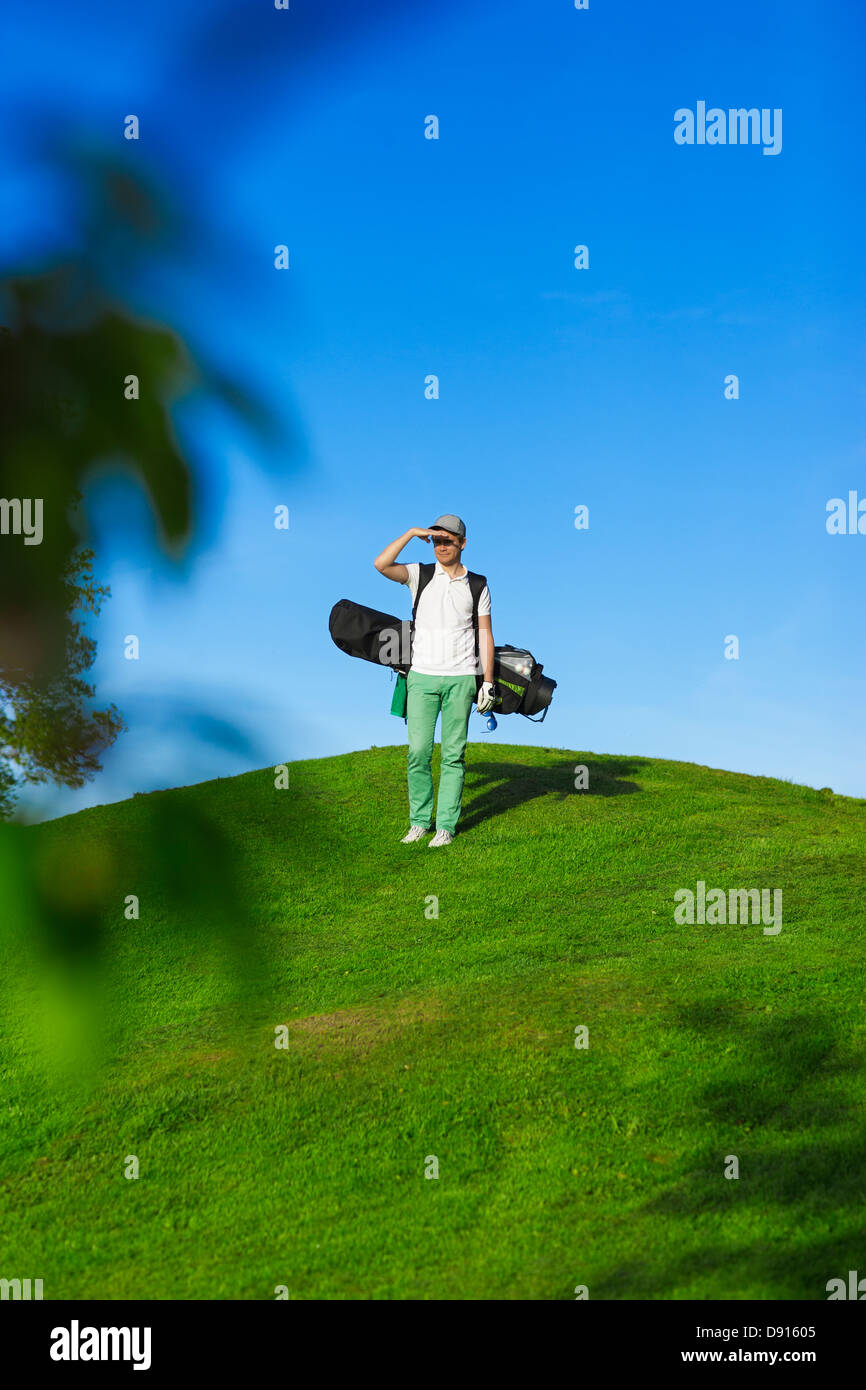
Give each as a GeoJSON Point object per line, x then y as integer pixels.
{"type": "Point", "coordinates": [440, 569]}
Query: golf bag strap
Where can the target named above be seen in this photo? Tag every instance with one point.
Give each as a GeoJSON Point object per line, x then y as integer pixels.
{"type": "Point", "coordinates": [533, 688]}
{"type": "Point", "coordinates": [425, 574]}
{"type": "Point", "coordinates": [476, 588]}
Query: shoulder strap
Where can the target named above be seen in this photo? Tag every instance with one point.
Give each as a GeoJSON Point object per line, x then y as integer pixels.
{"type": "Point", "coordinates": [476, 588]}
{"type": "Point", "coordinates": [425, 574]}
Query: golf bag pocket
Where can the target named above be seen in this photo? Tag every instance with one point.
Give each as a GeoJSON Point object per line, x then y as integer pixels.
{"type": "Point", "coordinates": [520, 683]}
{"type": "Point", "coordinates": [400, 697]}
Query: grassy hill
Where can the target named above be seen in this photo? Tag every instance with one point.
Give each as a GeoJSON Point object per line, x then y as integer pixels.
{"type": "Point", "coordinates": [413, 1036]}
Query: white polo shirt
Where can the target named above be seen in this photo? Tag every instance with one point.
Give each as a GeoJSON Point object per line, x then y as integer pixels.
{"type": "Point", "coordinates": [444, 638]}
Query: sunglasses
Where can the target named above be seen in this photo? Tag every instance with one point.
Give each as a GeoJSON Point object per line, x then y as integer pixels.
{"type": "Point", "coordinates": [443, 540]}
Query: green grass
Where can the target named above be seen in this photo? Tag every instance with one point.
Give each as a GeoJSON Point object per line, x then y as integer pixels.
{"type": "Point", "coordinates": [453, 1036]}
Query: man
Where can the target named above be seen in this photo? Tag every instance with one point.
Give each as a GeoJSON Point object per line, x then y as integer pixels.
{"type": "Point", "coordinates": [442, 674]}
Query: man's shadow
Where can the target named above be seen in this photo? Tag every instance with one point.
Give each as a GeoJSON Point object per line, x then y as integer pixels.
{"type": "Point", "coordinates": [506, 785]}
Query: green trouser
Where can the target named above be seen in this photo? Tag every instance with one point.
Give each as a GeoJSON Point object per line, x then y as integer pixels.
{"type": "Point", "coordinates": [426, 695]}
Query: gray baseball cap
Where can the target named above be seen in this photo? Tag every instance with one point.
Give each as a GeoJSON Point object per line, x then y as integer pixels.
{"type": "Point", "coordinates": [450, 523]}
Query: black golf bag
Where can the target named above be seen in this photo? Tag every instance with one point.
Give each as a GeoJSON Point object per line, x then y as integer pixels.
{"type": "Point", "coordinates": [521, 687]}
{"type": "Point", "coordinates": [520, 683]}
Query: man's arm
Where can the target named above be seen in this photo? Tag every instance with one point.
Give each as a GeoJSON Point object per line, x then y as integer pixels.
{"type": "Point", "coordinates": [486, 648]}
{"type": "Point", "coordinates": [385, 562]}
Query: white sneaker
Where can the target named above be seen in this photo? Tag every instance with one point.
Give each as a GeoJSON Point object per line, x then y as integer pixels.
{"type": "Point", "coordinates": [415, 834]}
{"type": "Point", "coordinates": [442, 837]}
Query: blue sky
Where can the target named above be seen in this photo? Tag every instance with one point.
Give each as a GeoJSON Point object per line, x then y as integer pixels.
{"type": "Point", "coordinates": [559, 387]}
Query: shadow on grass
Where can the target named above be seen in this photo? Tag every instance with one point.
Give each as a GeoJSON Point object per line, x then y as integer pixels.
{"type": "Point", "coordinates": [783, 1108]}
{"type": "Point", "coordinates": [762, 1269]}
{"type": "Point", "coordinates": [495, 788]}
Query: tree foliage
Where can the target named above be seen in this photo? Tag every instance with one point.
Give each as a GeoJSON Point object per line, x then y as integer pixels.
{"type": "Point", "coordinates": [48, 731]}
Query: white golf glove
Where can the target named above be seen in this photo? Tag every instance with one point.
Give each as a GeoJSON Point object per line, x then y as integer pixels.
{"type": "Point", "coordinates": [485, 698]}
